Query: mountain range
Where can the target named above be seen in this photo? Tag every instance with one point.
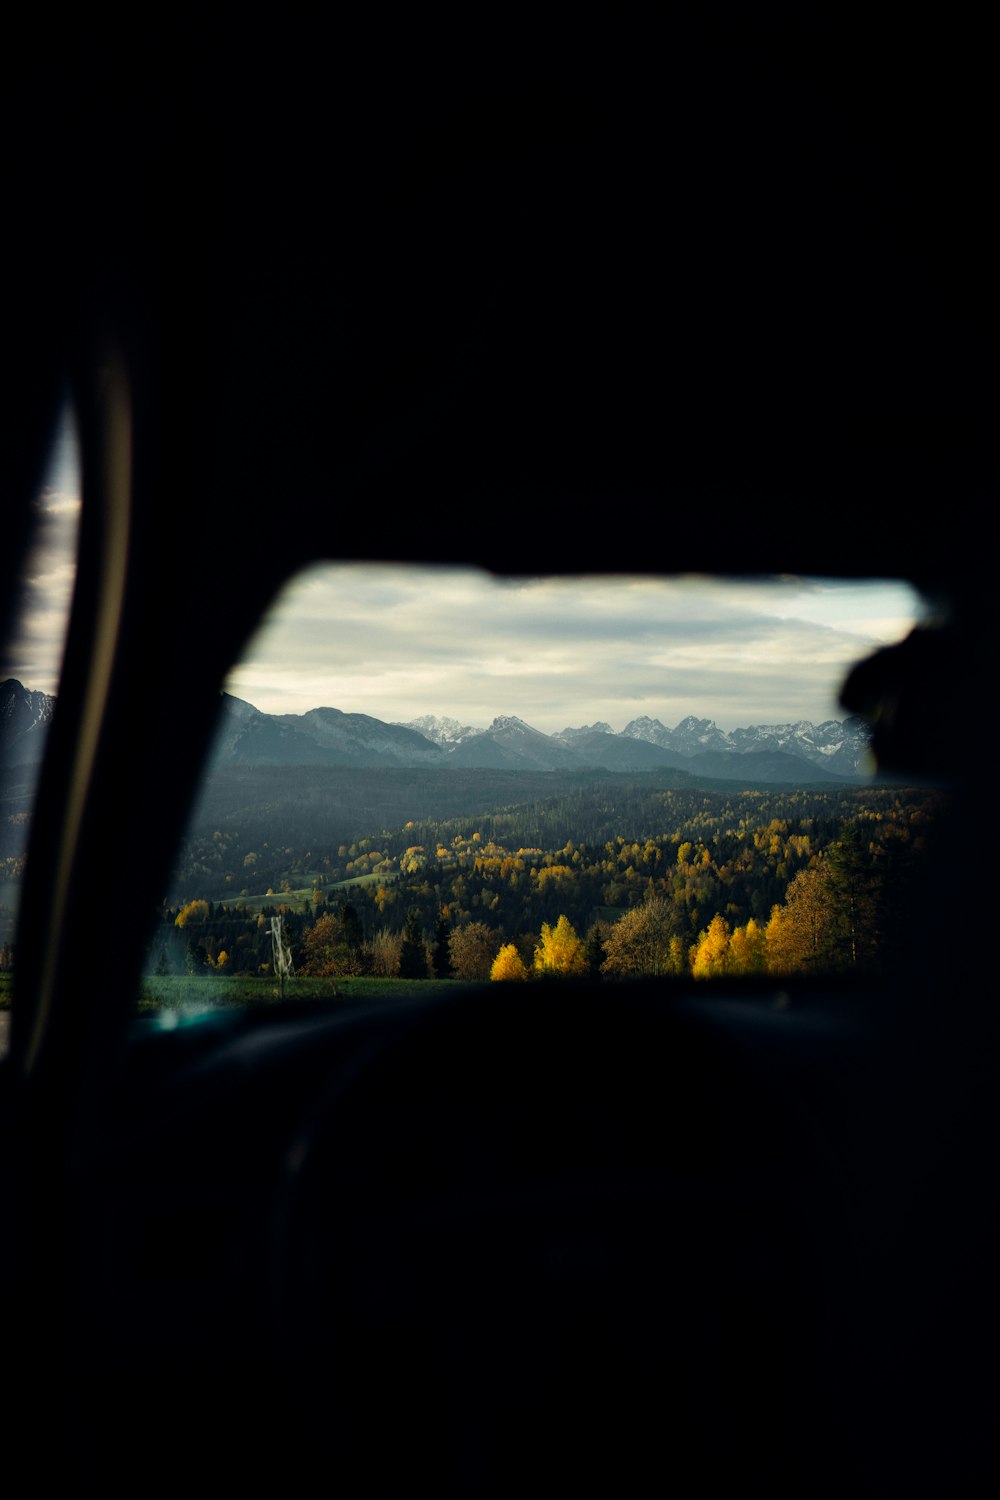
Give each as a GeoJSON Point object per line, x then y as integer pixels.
{"type": "Point", "coordinates": [837, 749]}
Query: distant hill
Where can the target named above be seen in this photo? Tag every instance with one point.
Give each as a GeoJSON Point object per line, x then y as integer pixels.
{"type": "Point", "coordinates": [321, 737]}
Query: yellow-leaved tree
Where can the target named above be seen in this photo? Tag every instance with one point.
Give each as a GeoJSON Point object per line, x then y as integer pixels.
{"type": "Point", "coordinates": [747, 950]}
{"type": "Point", "coordinates": [561, 952]}
{"type": "Point", "coordinates": [800, 933]}
{"type": "Point", "coordinates": [508, 964]}
{"type": "Point", "coordinates": [194, 911]}
{"type": "Point", "coordinates": [710, 954]}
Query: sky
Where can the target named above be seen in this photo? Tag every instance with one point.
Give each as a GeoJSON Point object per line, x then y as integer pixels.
{"type": "Point", "coordinates": [559, 653]}
{"type": "Point", "coordinates": [40, 611]}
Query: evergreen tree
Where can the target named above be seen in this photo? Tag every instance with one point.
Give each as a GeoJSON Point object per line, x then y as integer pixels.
{"type": "Point", "coordinates": [194, 958]}
{"type": "Point", "coordinates": [442, 950]}
{"type": "Point", "coordinates": [351, 929]}
{"type": "Point", "coordinates": [352, 937]}
{"type": "Point", "coordinates": [595, 951]}
{"type": "Point", "coordinates": [412, 952]}
{"type": "Point", "coordinates": [853, 885]}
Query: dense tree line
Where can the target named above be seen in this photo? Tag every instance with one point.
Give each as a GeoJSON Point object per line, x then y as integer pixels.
{"type": "Point", "coordinates": [726, 882]}
{"type": "Point", "coordinates": [298, 839]}
{"type": "Point", "coordinates": [295, 820]}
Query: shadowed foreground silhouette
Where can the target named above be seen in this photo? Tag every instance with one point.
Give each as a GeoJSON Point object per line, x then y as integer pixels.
{"type": "Point", "coordinates": [714, 298]}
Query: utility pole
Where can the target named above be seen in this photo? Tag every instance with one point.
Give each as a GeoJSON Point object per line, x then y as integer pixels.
{"type": "Point", "coordinates": [282, 953]}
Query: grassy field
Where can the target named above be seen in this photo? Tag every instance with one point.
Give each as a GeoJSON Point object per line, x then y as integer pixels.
{"type": "Point", "coordinates": [301, 898]}
{"type": "Point", "coordinates": [176, 999]}
{"type": "Point", "coordinates": [178, 992]}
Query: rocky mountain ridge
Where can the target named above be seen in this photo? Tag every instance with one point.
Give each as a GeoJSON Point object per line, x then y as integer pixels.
{"type": "Point", "coordinates": [801, 751]}
{"type": "Point", "coordinates": [25, 716]}
{"type": "Point", "coordinates": [837, 746]}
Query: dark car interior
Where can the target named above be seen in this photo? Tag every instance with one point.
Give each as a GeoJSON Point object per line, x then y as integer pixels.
{"type": "Point", "coordinates": [719, 298]}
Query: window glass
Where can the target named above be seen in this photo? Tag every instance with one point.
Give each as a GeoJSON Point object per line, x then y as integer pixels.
{"type": "Point", "coordinates": [422, 775]}
{"type": "Point", "coordinates": [30, 664]}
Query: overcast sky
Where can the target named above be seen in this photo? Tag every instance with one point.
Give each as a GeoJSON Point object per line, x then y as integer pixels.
{"type": "Point", "coordinates": [566, 652]}
{"type": "Point", "coordinates": [40, 609]}
{"type": "Point", "coordinates": [399, 643]}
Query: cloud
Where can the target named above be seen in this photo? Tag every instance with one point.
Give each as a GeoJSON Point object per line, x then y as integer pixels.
{"type": "Point", "coordinates": [397, 643]}
{"type": "Point", "coordinates": [38, 612]}
{"type": "Point", "coordinates": [56, 503]}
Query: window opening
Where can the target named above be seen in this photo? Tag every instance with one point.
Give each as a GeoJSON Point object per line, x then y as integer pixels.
{"type": "Point", "coordinates": [422, 775]}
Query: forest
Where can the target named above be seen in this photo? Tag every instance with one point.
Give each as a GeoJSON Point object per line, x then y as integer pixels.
{"type": "Point", "coordinates": [607, 877]}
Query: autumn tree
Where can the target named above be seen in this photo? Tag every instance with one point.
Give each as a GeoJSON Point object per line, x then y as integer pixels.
{"type": "Point", "coordinates": [710, 955]}
{"type": "Point", "coordinates": [800, 935]}
{"type": "Point", "coordinates": [194, 911]}
{"type": "Point", "coordinates": [508, 964]}
{"type": "Point", "coordinates": [383, 953]}
{"type": "Point", "coordinates": [638, 944]}
{"type": "Point", "coordinates": [326, 950]}
{"type": "Point", "coordinates": [747, 950]}
{"type": "Point", "coordinates": [472, 949]}
{"type": "Point", "coordinates": [560, 951]}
